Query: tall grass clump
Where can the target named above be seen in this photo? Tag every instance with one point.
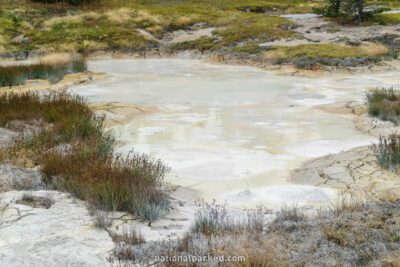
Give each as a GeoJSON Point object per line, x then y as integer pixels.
{"type": "Point", "coordinates": [387, 152]}
{"type": "Point", "coordinates": [76, 154]}
{"type": "Point", "coordinates": [384, 104]}
{"type": "Point", "coordinates": [68, 115]}
{"type": "Point", "coordinates": [53, 71]}
{"type": "Point", "coordinates": [131, 183]}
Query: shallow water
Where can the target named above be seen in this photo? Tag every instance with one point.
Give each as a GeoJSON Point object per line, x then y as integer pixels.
{"type": "Point", "coordinates": [233, 133]}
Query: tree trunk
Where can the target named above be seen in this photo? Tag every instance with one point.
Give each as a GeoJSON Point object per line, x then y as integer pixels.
{"type": "Point", "coordinates": [360, 10]}
{"type": "Point", "coordinates": [337, 7]}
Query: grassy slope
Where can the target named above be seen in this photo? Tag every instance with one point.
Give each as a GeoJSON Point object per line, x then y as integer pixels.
{"type": "Point", "coordinates": [106, 26]}
{"type": "Point", "coordinates": [386, 19]}
{"type": "Point", "coordinates": [112, 25]}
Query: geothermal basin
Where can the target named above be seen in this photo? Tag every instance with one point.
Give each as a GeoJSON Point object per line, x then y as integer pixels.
{"type": "Point", "coordinates": [232, 133]}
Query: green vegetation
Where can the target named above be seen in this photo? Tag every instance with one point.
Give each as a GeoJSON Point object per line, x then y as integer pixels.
{"type": "Point", "coordinates": [110, 25]}
{"type": "Point", "coordinates": [255, 27]}
{"type": "Point", "coordinates": [348, 9]}
{"type": "Point", "coordinates": [387, 152]}
{"type": "Point", "coordinates": [117, 25]}
{"type": "Point", "coordinates": [76, 154]}
{"type": "Point", "coordinates": [353, 226]}
{"type": "Point", "coordinates": [308, 56]}
{"type": "Point", "coordinates": [202, 44]}
{"type": "Point", "coordinates": [72, 2]}
{"type": "Point", "coordinates": [28, 197]}
{"type": "Point", "coordinates": [36, 202]}
{"type": "Point", "coordinates": [386, 19]}
{"type": "Point", "coordinates": [319, 51]}
{"type": "Point", "coordinates": [328, 51]}
{"type": "Point", "coordinates": [384, 104]}
{"type": "Point", "coordinates": [54, 72]}
{"type": "Point", "coordinates": [249, 48]}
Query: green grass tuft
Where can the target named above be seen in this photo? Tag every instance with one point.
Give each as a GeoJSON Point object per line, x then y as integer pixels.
{"type": "Point", "coordinates": [387, 152]}
{"type": "Point", "coordinates": [384, 104]}
{"type": "Point", "coordinates": [19, 74]}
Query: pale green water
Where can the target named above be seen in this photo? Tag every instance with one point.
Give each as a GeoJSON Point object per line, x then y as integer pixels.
{"type": "Point", "coordinates": [233, 133]}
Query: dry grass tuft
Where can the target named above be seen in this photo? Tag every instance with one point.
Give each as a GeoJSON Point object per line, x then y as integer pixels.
{"type": "Point", "coordinates": [276, 55]}
{"type": "Point", "coordinates": [389, 196]}
{"type": "Point", "coordinates": [373, 49]}
{"type": "Point", "coordinates": [120, 16]}
{"type": "Point", "coordinates": [130, 236]}
{"type": "Point", "coordinates": [91, 15]}
{"type": "Point", "coordinates": [125, 15]}
{"type": "Point", "coordinates": [93, 45]}
{"type": "Point", "coordinates": [348, 202]}
{"type": "Point", "coordinates": [335, 234]}
{"type": "Point", "coordinates": [70, 19]}
{"type": "Point", "coordinates": [56, 59]}
{"type": "Point", "coordinates": [391, 261]}
{"type": "Point", "coordinates": [68, 47]}
{"type": "Point", "coordinates": [144, 15]}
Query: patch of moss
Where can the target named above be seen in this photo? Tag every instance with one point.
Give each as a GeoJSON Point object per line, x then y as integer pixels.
{"type": "Point", "coordinates": [249, 48]}
{"type": "Point", "coordinates": [202, 44]}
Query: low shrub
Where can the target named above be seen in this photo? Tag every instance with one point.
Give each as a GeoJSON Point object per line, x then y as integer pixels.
{"type": "Point", "coordinates": [348, 203]}
{"type": "Point", "coordinates": [348, 229]}
{"type": "Point", "coordinates": [19, 74]}
{"type": "Point", "coordinates": [211, 218]}
{"type": "Point", "coordinates": [202, 44]}
{"type": "Point", "coordinates": [130, 235]}
{"type": "Point", "coordinates": [131, 183]}
{"type": "Point", "coordinates": [35, 201]}
{"type": "Point", "coordinates": [28, 197]}
{"type": "Point", "coordinates": [387, 152]}
{"type": "Point", "coordinates": [384, 104]}
{"type": "Point", "coordinates": [289, 219]}
{"type": "Point", "coordinates": [76, 154]}
{"type": "Point", "coordinates": [216, 219]}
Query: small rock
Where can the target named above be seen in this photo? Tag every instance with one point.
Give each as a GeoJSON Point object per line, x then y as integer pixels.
{"type": "Point", "coordinates": [352, 41]}
{"type": "Point", "coordinates": [20, 39]}
{"type": "Point", "coordinates": [7, 137]}
{"type": "Point", "coordinates": [12, 177]}
{"type": "Point", "coordinates": [308, 176]}
{"type": "Point", "coordinates": [147, 35]}
{"type": "Point", "coordinates": [396, 41]}
{"type": "Point", "coordinates": [338, 173]}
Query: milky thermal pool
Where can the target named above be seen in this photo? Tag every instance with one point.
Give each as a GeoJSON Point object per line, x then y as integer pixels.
{"type": "Point", "coordinates": [232, 133]}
